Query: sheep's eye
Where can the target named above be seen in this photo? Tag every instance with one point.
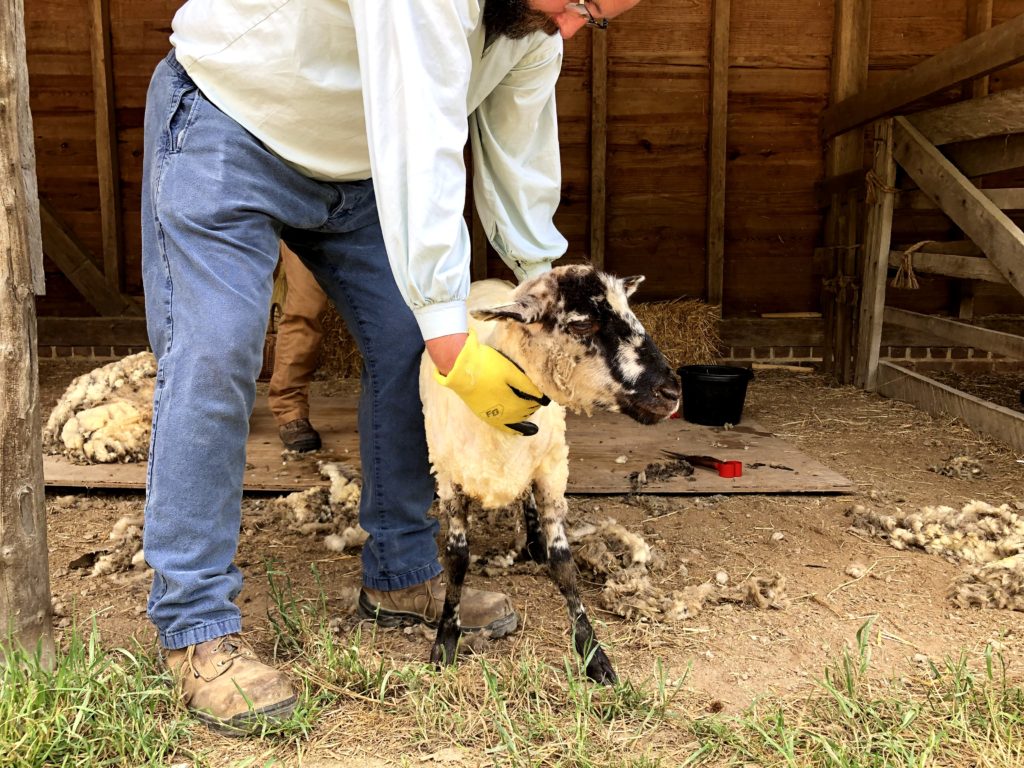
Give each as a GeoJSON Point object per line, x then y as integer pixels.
{"type": "Point", "coordinates": [581, 327]}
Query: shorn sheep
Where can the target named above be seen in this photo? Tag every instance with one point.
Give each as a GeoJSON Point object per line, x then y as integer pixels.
{"type": "Point", "coordinates": [573, 333]}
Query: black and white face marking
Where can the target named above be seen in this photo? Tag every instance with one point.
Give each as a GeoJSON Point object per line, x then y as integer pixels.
{"type": "Point", "coordinates": [587, 331]}
{"type": "Point", "coordinates": [594, 308]}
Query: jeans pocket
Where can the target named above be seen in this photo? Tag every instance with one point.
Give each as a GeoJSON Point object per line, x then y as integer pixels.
{"type": "Point", "coordinates": [184, 105]}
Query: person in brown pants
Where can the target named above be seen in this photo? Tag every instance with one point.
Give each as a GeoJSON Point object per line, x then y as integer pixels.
{"type": "Point", "coordinates": [296, 354]}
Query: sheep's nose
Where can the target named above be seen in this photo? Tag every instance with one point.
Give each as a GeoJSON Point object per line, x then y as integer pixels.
{"type": "Point", "coordinates": [670, 391]}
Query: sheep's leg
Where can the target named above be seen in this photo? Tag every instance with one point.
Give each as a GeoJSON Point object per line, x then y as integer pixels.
{"type": "Point", "coordinates": [553, 509]}
{"type": "Point", "coordinates": [456, 561]}
{"type": "Point", "coordinates": [534, 548]}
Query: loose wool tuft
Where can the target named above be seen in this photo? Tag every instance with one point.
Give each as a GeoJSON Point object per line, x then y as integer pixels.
{"type": "Point", "coordinates": [125, 551]}
{"type": "Point", "coordinates": [331, 512]}
{"type": "Point", "coordinates": [624, 563]}
{"type": "Point", "coordinates": [988, 539]}
{"type": "Point", "coordinates": [105, 416]}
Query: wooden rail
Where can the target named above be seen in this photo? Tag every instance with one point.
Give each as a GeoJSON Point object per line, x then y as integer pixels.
{"type": "Point", "coordinates": [994, 49]}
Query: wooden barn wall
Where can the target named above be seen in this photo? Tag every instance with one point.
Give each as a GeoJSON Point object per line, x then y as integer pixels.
{"type": "Point", "coordinates": [658, 92]}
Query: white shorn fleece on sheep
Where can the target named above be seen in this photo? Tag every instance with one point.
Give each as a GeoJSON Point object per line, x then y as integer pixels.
{"type": "Point", "coordinates": [572, 332]}
{"type": "Point", "coordinates": [105, 416]}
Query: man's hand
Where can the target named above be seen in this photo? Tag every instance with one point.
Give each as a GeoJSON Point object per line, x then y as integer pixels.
{"type": "Point", "coordinates": [493, 387]}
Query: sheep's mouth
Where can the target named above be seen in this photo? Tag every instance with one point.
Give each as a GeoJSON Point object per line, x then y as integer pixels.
{"type": "Point", "coordinates": [649, 410]}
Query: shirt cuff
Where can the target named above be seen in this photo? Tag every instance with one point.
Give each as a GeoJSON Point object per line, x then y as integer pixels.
{"type": "Point", "coordinates": [442, 319]}
{"type": "Point", "coordinates": [526, 272]}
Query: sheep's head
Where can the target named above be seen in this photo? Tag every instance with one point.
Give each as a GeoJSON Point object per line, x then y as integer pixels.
{"type": "Point", "coordinates": [573, 333]}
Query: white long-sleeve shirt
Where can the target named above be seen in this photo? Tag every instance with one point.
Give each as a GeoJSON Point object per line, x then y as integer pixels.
{"type": "Point", "coordinates": [351, 89]}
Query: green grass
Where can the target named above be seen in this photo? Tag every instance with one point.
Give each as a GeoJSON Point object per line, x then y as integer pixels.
{"type": "Point", "coordinates": [93, 709]}
{"type": "Point", "coordinates": [116, 707]}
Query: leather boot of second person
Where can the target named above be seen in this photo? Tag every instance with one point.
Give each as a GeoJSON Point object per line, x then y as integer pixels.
{"type": "Point", "coordinates": [479, 610]}
{"type": "Point", "coordinates": [224, 684]}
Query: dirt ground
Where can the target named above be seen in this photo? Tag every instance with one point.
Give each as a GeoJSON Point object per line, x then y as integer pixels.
{"type": "Point", "coordinates": [888, 449]}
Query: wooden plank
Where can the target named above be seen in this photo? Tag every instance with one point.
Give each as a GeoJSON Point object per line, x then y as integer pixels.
{"type": "Point", "coordinates": [757, 332]}
{"type": "Point", "coordinates": [958, 334]}
{"type": "Point", "coordinates": [999, 47]}
{"type": "Point", "coordinates": [718, 112]}
{"type": "Point", "coordinates": [92, 331]}
{"type": "Point", "coordinates": [951, 265]}
{"type": "Point", "coordinates": [1004, 424]}
{"type": "Point", "coordinates": [594, 445]}
{"type": "Point", "coordinates": [991, 155]}
{"type": "Point", "coordinates": [997, 115]}
{"type": "Point", "coordinates": [598, 146]}
{"type": "Point", "coordinates": [991, 229]}
{"type": "Point", "coordinates": [68, 254]}
{"type": "Point", "coordinates": [877, 235]}
{"type": "Point", "coordinates": [25, 612]}
{"type": "Point", "coordinates": [1003, 199]}
{"type": "Point", "coordinates": [108, 173]}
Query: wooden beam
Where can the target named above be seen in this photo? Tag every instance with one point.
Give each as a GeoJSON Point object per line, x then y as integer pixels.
{"type": "Point", "coordinates": [999, 47]}
{"type": "Point", "coordinates": [997, 115]}
{"type": "Point", "coordinates": [25, 613]}
{"type": "Point", "coordinates": [990, 229]}
{"type": "Point", "coordinates": [598, 146]}
{"type": "Point", "coordinates": [951, 265]}
{"type": "Point", "coordinates": [70, 255]}
{"type": "Point", "coordinates": [991, 155]}
{"type": "Point", "coordinates": [979, 19]}
{"type": "Point", "coordinates": [106, 142]}
{"type": "Point", "coordinates": [1003, 199]}
{"type": "Point", "coordinates": [877, 236]}
{"type": "Point", "coordinates": [958, 334]}
{"type": "Point", "coordinates": [899, 383]}
{"type": "Point", "coordinates": [718, 114]}
{"type": "Point", "coordinates": [92, 332]}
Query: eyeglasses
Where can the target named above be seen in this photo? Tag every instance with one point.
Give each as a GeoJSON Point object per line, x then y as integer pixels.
{"type": "Point", "coordinates": [582, 10]}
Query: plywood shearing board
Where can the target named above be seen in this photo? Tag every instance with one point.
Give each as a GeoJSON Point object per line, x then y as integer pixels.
{"type": "Point", "coordinates": [605, 450]}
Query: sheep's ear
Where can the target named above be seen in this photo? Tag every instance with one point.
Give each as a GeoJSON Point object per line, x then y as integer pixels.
{"type": "Point", "coordinates": [518, 312]}
{"type": "Point", "coordinates": [630, 284]}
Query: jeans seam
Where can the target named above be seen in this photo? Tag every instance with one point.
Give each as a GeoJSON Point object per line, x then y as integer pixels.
{"type": "Point", "coordinates": [370, 363]}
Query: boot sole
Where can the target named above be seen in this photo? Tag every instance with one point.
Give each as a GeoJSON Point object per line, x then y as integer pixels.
{"type": "Point", "coordinates": [247, 723]}
{"type": "Point", "coordinates": [392, 619]}
{"type": "Point", "coordinates": [307, 446]}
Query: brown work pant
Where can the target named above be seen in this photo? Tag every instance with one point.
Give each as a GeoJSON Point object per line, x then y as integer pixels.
{"type": "Point", "coordinates": [298, 341]}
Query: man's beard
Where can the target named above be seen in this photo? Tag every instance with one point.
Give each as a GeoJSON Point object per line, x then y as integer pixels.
{"type": "Point", "coordinates": [515, 19]}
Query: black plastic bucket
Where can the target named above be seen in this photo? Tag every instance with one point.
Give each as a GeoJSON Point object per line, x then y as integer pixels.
{"type": "Point", "coordinates": [713, 395]}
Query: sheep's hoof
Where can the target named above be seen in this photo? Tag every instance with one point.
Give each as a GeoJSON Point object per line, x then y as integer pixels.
{"type": "Point", "coordinates": [443, 652]}
{"type": "Point", "coordinates": [599, 669]}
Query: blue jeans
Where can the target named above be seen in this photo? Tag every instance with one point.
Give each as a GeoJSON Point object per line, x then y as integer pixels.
{"type": "Point", "coordinates": [215, 203]}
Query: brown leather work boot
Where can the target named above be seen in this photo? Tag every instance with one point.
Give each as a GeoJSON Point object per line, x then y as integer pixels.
{"type": "Point", "coordinates": [227, 687]}
{"type": "Point", "coordinates": [479, 611]}
{"type": "Point", "coordinates": [299, 435]}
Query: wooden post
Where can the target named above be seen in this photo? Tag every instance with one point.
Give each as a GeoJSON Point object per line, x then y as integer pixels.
{"type": "Point", "coordinates": [877, 236]}
{"type": "Point", "coordinates": [598, 146]}
{"type": "Point", "coordinates": [718, 110]}
{"type": "Point", "coordinates": [979, 19]}
{"type": "Point", "coordinates": [844, 155]}
{"type": "Point", "coordinates": [107, 165]}
{"type": "Point", "coordinates": [25, 613]}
